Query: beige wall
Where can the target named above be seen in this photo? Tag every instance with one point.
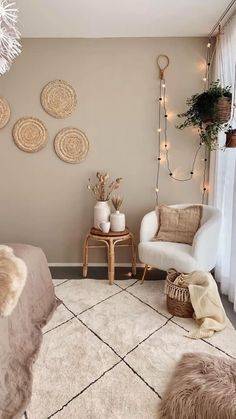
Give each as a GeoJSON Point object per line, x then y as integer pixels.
{"type": "Point", "coordinates": [44, 201]}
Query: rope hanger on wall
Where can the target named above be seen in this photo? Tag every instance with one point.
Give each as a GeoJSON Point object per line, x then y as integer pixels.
{"type": "Point", "coordinates": [163, 62]}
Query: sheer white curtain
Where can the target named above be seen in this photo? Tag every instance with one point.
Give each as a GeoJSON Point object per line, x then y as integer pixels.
{"type": "Point", "coordinates": [223, 184]}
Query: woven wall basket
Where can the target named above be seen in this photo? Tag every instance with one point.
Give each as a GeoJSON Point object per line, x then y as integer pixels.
{"type": "Point", "coordinates": [4, 112]}
{"type": "Point", "coordinates": [30, 134]}
{"type": "Point", "coordinates": [71, 145]}
{"type": "Point", "coordinates": [58, 98]}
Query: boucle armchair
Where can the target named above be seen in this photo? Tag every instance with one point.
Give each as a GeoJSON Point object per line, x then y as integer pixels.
{"type": "Point", "coordinates": [201, 255]}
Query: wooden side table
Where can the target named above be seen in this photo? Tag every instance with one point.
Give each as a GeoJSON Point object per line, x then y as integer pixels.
{"type": "Point", "coordinates": [110, 239]}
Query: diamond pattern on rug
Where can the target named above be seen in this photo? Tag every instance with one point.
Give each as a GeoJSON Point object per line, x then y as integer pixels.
{"type": "Point", "coordinates": [57, 282]}
{"type": "Point", "coordinates": [155, 358]}
{"type": "Point", "coordinates": [60, 316]}
{"type": "Point", "coordinates": [127, 398]}
{"type": "Point", "coordinates": [114, 359]}
{"type": "Point", "coordinates": [152, 293]}
{"type": "Point", "coordinates": [125, 283]}
{"type": "Point", "coordinates": [225, 340]}
{"type": "Point", "coordinates": [71, 357]}
{"type": "Point", "coordinates": [122, 321]}
{"type": "Point", "coordinates": [79, 295]}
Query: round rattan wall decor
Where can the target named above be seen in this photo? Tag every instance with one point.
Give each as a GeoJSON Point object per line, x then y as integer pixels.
{"type": "Point", "coordinates": [71, 145]}
{"type": "Point", "coordinates": [58, 98]}
{"type": "Point", "coordinates": [30, 134]}
{"type": "Point", "coordinates": [4, 112]}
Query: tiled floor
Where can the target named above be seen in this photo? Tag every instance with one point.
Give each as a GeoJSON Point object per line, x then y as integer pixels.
{"type": "Point", "coordinates": [108, 351]}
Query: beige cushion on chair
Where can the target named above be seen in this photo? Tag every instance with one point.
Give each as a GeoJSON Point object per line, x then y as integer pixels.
{"type": "Point", "coordinates": [178, 225]}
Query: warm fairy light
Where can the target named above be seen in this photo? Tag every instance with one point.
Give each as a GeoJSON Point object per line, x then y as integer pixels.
{"type": "Point", "coordinates": [209, 45]}
{"type": "Point", "coordinates": [163, 147]}
{"type": "Point", "coordinates": [170, 115]}
{"type": "Point", "coordinates": [129, 274]}
{"type": "Point", "coordinates": [195, 131]}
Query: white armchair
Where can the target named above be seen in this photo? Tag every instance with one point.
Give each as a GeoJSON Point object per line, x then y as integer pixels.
{"type": "Point", "coordinates": [182, 257]}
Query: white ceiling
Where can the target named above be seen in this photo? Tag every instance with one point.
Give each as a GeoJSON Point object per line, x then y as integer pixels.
{"type": "Point", "coordinates": [118, 18]}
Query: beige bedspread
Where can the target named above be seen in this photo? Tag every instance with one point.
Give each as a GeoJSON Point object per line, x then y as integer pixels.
{"type": "Point", "coordinates": [20, 333]}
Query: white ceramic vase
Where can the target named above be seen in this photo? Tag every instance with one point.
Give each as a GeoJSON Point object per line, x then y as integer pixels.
{"type": "Point", "coordinates": [117, 221]}
{"type": "Point", "coordinates": [101, 213]}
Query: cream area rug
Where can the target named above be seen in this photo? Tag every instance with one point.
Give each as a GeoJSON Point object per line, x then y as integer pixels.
{"type": "Point", "coordinates": [109, 351]}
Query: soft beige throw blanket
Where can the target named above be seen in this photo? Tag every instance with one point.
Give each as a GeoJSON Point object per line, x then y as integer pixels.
{"type": "Point", "coordinates": [208, 309]}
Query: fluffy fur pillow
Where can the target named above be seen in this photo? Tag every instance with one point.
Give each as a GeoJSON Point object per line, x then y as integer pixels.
{"type": "Point", "coordinates": [203, 386]}
{"type": "Point", "coordinates": [178, 225]}
{"type": "Point", "coordinates": [13, 273]}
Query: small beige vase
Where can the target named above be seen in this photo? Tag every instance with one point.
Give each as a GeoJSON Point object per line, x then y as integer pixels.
{"type": "Point", "coordinates": [117, 221]}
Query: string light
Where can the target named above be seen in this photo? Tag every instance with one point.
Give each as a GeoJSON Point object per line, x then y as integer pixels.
{"type": "Point", "coordinates": [209, 45]}
{"type": "Point", "coordinates": [163, 101]}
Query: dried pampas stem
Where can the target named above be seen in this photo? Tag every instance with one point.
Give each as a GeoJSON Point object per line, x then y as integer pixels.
{"type": "Point", "coordinates": [117, 202]}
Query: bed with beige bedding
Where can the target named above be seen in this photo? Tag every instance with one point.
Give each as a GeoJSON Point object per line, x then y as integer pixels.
{"type": "Point", "coordinates": [21, 335]}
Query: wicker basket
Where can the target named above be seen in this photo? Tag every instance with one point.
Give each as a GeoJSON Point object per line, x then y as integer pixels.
{"type": "Point", "coordinates": [231, 138]}
{"type": "Point", "coordinates": [223, 109]}
{"type": "Point", "coordinates": [178, 298]}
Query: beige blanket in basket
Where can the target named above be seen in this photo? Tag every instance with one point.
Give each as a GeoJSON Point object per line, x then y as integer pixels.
{"type": "Point", "coordinates": [208, 309]}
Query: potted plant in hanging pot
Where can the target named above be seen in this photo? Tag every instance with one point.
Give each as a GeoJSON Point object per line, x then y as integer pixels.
{"type": "Point", "coordinates": [102, 191]}
{"type": "Point", "coordinates": [230, 138]}
{"type": "Point", "coordinates": [210, 112]}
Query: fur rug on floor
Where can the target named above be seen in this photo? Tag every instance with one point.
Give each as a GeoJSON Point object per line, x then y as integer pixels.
{"type": "Point", "coordinates": [13, 274]}
{"type": "Point", "coordinates": [203, 386]}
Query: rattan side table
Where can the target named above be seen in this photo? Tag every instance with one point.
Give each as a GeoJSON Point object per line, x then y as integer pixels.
{"type": "Point", "coordinates": [110, 239]}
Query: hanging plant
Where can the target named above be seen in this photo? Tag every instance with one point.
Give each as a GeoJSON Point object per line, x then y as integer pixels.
{"type": "Point", "coordinates": [209, 112]}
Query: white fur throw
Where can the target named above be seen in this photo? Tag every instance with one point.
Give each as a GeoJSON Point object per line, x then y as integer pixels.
{"type": "Point", "coordinates": [13, 274]}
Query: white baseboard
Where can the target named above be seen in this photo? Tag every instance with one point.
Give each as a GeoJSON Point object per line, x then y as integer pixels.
{"type": "Point", "coordinates": [96, 264]}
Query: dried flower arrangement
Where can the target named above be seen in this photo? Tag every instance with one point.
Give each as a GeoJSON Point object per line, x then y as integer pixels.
{"type": "Point", "coordinates": [102, 189]}
{"type": "Point", "coordinates": [117, 202]}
